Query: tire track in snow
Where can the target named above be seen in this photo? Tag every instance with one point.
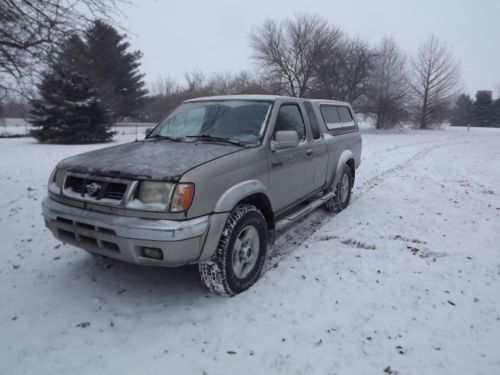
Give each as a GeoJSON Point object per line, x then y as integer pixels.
{"type": "Point", "coordinates": [394, 148]}
{"type": "Point", "coordinates": [378, 178]}
{"type": "Point", "coordinates": [297, 234]}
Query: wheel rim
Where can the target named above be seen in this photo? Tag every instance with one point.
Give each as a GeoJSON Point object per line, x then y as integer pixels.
{"type": "Point", "coordinates": [245, 251]}
{"type": "Point", "coordinates": [344, 188]}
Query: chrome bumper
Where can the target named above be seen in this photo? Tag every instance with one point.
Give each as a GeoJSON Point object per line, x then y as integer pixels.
{"type": "Point", "coordinates": [124, 238]}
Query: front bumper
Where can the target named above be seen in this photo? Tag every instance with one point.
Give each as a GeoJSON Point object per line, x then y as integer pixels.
{"type": "Point", "coordinates": [124, 238]}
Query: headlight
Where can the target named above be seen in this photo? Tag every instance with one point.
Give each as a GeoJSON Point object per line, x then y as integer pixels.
{"type": "Point", "coordinates": [162, 196]}
{"type": "Point", "coordinates": [155, 194]}
{"type": "Point", "coordinates": [182, 197]}
{"type": "Point", "coordinates": [56, 180]}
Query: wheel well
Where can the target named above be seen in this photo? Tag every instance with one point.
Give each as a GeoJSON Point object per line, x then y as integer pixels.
{"type": "Point", "coordinates": [351, 165]}
{"type": "Point", "coordinates": [261, 201]}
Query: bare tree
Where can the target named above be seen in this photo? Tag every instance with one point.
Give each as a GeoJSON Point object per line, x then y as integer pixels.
{"type": "Point", "coordinates": [388, 91]}
{"type": "Point", "coordinates": [14, 107]}
{"type": "Point", "coordinates": [164, 87]}
{"type": "Point", "coordinates": [221, 84]}
{"type": "Point", "coordinates": [289, 51]}
{"type": "Point", "coordinates": [31, 29]}
{"type": "Point", "coordinates": [243, 82]}
{"type": "Point", "coordinates": [167, 94]}
{"type": "Point", "coordinates": [246, 82]}
{"type": "Point", "coordinates": [435, 83]}
{"type": "Point", "coordinates": [196, 82]}
{"type": "Point", "coordinates": [344, 74]}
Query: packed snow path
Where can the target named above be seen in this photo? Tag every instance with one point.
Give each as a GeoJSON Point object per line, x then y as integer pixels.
{"type": "Point", "coordinates": [405, 280]}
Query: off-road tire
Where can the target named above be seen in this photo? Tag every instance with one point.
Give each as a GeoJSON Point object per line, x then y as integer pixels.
{"type": "Point", "coordinates": [335, 204]}
{"type": "Point", "coordinates": [217, 273]}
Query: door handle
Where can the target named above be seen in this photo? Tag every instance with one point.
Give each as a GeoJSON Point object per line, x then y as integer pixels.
{"type": "Point", "coordinates": [276, 163]}
{"type": "Point", "coordinates": [309, 152]}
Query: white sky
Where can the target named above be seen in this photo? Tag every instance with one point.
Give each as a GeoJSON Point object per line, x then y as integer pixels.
{"type": "Point", "coordinates": [212, 36]}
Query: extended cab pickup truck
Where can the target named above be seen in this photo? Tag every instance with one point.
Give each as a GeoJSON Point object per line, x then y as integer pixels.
{"type": "Point", "coordinates": [211, 184]}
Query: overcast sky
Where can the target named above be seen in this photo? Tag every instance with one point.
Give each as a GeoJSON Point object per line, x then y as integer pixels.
{"type": "Point", "coordinates": [212, 36]}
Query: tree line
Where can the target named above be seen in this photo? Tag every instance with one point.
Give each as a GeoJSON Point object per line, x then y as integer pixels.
{"type": "Point", "coordinates": [90, 77]}
{"type": "Point", "coordinates": [483, 111]}
{"type": "Point", "coordinates": [307, 56]}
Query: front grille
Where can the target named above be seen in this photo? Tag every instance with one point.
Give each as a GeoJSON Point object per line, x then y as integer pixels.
{"type": "Point", "coordinates": [115, 191]}
{"type": "Point", "coordinates": [68, 231]}
{"type": "Point", "coordinates": [76, 184]}
{"type": "Point", "coordinates": [85, 226]}
{"type": "Point", "coordinates": [94, 188]}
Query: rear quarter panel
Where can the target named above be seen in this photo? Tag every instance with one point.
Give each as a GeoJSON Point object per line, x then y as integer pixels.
{"type": "Point", "coordinates": [339, 142]}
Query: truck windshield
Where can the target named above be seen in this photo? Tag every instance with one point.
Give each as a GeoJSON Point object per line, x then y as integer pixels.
{"type": "Point", "coordinates": [240, 121]}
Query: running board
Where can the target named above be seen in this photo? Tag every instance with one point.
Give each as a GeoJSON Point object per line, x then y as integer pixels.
{"type": "Point", "coordinates": [295, 216]}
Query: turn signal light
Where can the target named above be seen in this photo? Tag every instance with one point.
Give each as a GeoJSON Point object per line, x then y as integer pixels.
{"type": "Point", "coordinates": [182, 197]}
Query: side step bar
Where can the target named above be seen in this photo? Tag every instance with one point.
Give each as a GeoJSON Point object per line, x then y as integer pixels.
{"type": "Point", "coordinates": [293, 217]}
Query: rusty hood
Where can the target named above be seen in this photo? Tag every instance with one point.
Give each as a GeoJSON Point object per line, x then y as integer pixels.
{"type": "Point", "coordinates": [148, 159]}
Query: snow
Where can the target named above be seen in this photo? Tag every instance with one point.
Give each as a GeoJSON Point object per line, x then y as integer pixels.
{"type": "Point", "coordinates": [20, 127]}
{"type": "Point", "coordinates": [13, 126]}
{"type": "Point", "coordinates": [407, 277]}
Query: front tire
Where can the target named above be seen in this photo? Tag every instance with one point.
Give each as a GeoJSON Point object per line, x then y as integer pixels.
{"type": "Point", "coordinates": [342, 191]}
{"type": "Point", "coordinates": [239, 259]}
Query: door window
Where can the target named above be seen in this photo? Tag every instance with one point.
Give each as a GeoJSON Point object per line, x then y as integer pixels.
{"type": "Point", "coordinates": [290, 118]}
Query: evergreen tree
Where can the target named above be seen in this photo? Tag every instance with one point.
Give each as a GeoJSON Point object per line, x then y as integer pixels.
{"type": "Point", "coordinates": [68, 109]}
{"type": "Point", "coordinates": [462, 111]}
{"type": "Point", "coordinates": [114, 70]}
{"type": "Point", "coordinates": [496, 113]}
{"type": "Point", "coordinates": [482, 112]}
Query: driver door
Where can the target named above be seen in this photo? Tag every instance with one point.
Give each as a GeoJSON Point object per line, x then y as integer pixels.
{"type": "Point", "coordinates": [291, 171]}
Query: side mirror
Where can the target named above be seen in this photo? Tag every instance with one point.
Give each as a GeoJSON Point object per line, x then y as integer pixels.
{"type": "Point", "coordinates": [285, 139]}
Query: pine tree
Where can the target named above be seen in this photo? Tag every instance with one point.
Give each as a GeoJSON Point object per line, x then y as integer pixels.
{"type": "Point", "coordinates": [482, 112]}
{"type": "Point", "coordinates": [462, 111]}
{"type": "Point", "coordinates": [68, 109]}
{"type": "Point", "coordinates": [496, 111]}
{"type": "Point", "coordinates": [114, 70]}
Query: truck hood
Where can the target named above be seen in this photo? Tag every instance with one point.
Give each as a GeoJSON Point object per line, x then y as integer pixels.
{"type": "Point", "coordinates": [148, 159]}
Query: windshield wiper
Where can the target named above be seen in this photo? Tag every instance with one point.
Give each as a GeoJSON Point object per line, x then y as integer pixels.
{"type": "Point", "coordinates": [158, 136]}
{"type": "Point", "coordinates": [207, 137]}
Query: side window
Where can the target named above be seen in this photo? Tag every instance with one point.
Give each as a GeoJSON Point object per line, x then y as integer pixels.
{"type": "Point", "coordinates": [345, 115]}
{"type": "Point", "coordinates": [313, 120]}
{"type": "Point", "coordinates": [289, 118]}
{"type": "Point", "coordinates": [331, 116]}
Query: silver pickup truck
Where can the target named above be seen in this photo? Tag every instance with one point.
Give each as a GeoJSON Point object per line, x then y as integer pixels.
{"type": "Point", "coordinates": [211, 184]}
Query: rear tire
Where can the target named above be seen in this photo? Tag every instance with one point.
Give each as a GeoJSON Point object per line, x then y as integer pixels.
{"type": "Point", "coordinates": [342, 191]}
{"type": "Point", "coordinates": [239, 259]}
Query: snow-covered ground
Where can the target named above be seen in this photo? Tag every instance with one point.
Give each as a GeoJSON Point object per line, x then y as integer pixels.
{"type": "Point", "coordinates": [14, 127]}
{"type": "Point", "coordinates": [20, 127]}
{"type": "Point", "coordinates": [406, 280]}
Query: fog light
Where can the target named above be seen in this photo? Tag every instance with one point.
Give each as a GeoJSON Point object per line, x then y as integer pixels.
{"type": "Point", "coordinates": [152, 252]}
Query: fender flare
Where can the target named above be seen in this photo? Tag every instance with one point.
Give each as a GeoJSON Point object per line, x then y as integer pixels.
{"type": "Point", "coordinates": [224, 205]}
{"type": "Point", "coordinates": [345, 156]}
{"type": "Point", "coordinates": [236, 193]}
